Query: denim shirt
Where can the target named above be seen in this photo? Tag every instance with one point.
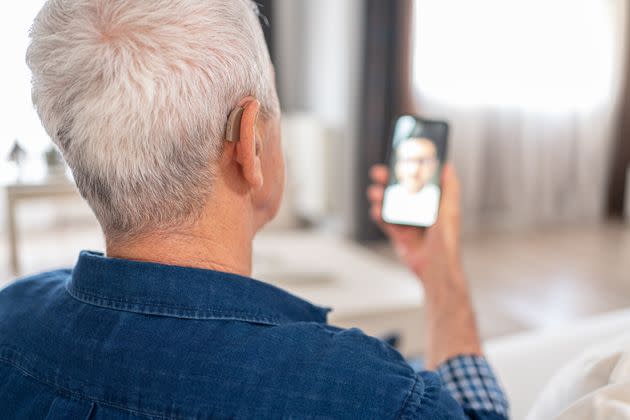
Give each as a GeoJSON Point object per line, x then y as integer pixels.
{"type": "Point", "coordinates": [118, 339]}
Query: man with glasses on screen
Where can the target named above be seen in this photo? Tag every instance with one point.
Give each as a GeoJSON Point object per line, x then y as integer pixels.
{"type": "Point", "coordinates": [167, 114]}
{"type": "Point", "coordinates": [414, 199]}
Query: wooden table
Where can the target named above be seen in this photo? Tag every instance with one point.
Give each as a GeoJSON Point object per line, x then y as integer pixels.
{"type": "Point", "coordinates": [52, 187]}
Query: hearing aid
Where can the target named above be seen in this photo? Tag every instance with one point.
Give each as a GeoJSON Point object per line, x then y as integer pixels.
{"type": "Point", "coordinates": [233, 128]}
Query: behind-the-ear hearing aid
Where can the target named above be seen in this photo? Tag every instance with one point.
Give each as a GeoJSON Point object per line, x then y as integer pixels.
{"type": "Point", "coordinates": [233, 128]}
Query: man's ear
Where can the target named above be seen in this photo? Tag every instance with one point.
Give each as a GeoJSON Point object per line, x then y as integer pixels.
{"type": "Point", "coordinates": [248, 150]}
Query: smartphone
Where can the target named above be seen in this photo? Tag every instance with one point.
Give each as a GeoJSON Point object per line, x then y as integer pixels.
{"type": "Point", "coordinates": [416, 158]}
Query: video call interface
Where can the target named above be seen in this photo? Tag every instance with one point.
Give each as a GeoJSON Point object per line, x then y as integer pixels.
{"type": "Point", "coordinates": [412, 196]}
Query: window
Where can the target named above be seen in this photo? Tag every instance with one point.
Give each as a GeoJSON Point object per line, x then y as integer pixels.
{"type": "Point", "coordinates": [19, 119]}
{"type": "Point", "coordinates": [534, 54]}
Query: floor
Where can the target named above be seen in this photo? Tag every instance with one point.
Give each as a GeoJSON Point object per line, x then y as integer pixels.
{"type": "Point", "coordinates": [519, 281]}
{"type": "Point", "coordinates": [542, 279]}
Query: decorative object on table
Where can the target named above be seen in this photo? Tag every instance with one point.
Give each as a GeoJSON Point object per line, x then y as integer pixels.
{"type": "Point", "coordinates": [55, 164]}
{"type": "Point", "coordinates": [17, 154]}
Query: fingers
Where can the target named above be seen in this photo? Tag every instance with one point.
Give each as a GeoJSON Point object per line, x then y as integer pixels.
{"type": "Point", "coordinates": [379, 174]}
{"type": "Point", "coordinates": [375, 213]}
{"type": "Point", "coordinates": [408, 234]}
{"type": "Point", "coordinates": [375, 192]}
{"type": "Point", "coordinates": [375, 195]}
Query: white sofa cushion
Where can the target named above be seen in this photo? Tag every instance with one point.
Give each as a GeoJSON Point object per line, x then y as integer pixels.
{"type": "Point", "coordinates": [611, 402]}
{"type": "Point", "coordinates": [588, 384]}
{"type": "Point", "coordinates": [526, 362]}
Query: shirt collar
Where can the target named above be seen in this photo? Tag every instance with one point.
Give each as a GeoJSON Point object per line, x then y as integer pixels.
{"type": "Point", "coordinates": [183, 292]}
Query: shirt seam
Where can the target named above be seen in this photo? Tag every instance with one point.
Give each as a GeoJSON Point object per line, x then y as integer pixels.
{"type": "Point", "coordinates": [89, 294]}
{"type": "Point", "coordinates": [403, 409]}
{"type": "Point", "coordinates": [74, 394]}
{"type": "Point", "coordinates": [180, 311]}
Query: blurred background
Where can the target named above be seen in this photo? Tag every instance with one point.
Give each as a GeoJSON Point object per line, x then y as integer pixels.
{"type": "Point", "coordinates": [538, 97]}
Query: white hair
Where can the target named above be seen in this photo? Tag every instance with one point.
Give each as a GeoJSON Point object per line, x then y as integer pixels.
{"type": "Point", "coordinates": [136, 94]}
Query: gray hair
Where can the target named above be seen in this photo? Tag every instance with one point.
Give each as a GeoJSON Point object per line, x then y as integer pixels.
{"type": "Point", "coordinates": [136, 93]}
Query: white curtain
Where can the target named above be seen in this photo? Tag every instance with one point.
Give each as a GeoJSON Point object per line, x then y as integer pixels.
{"type": "Point", "coordinates": [531, 88]}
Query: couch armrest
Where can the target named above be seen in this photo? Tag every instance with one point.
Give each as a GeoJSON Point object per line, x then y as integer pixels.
{"type": "Point", "coordinates": [525, 362]}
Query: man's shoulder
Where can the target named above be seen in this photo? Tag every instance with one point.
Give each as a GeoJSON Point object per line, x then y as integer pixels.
{"type": "Point", "coordinates": [31, 289]}
{"type": "Point", "coordinates": [362, 375]}
{"type": "Point", "coordinates": [352, 340]}
{"type": "Point", "coordinates": [350, 353]}
{"type": "Point", "coordinates": [37, 281]}
{"type": "Point", "coordinates": [26, 306]}
{"type": "Point", "coordinates": [369, 378]}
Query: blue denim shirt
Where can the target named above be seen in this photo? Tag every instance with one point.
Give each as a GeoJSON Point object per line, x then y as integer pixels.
{"type": "Point", "coordinates": [117, 339]}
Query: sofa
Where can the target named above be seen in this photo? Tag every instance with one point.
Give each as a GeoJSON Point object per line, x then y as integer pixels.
{"type": "Point", "coordinates": [526, 362]}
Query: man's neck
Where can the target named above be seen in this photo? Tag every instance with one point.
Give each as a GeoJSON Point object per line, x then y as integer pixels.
{"type": "Point", "coordinates": [222, 245]}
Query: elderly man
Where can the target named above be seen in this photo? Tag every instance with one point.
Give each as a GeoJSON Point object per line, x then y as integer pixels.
{"type": "Point", "coordinates": [167, 114]}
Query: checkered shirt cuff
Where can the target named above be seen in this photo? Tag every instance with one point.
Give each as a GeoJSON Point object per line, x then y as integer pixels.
{"type": "Point", "coordinates": [470, 380]}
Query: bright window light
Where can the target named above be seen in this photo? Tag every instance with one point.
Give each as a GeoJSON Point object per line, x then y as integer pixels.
{"type": "Point", "coordinates": [18, 119]}
{"type": "Point", "coordinates": [536, 54]}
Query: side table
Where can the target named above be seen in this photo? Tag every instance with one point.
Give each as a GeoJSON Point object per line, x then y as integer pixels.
{"type": "Point", "coordinates": [16, 192]}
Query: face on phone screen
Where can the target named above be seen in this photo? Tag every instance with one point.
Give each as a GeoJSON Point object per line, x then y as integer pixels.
{"type": "Point", "coordinates": [412, 196]}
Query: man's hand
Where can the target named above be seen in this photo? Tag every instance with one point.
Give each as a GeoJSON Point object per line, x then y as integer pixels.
{"type": "Point", "coordinates": [433, 254]}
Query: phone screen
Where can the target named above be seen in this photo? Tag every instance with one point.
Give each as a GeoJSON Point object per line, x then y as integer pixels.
{"type": "Point", "coordinates": [418, 153]}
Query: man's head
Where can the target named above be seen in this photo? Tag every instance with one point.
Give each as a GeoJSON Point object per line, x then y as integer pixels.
{"type": "Point", "coordinates": [416, 163]}
{"type": "Point", "coordinates": [136, 94]}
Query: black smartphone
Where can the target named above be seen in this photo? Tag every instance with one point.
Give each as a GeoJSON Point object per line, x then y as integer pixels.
{"type": "Point", "coordinates": [417, 155]}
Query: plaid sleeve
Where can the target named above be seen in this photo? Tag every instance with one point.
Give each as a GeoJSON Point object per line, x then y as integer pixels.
{"type": "Point", "coordinates": [470, 380]}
